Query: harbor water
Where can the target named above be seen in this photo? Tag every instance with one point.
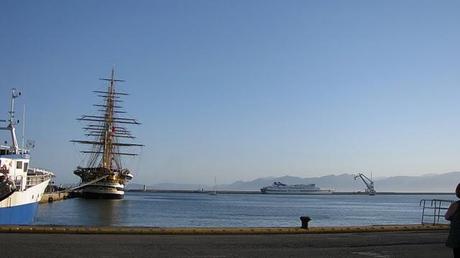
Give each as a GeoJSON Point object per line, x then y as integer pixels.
{"type": "Point", "coordinates": [235, 210]}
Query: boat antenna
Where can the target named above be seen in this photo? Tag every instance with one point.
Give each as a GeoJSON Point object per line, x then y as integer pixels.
{"type": "Point", "coordinates": [23, 126]}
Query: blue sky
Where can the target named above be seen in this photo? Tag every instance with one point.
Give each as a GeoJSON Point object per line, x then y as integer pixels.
{"type": "Point", "coordinates": [243, 89]}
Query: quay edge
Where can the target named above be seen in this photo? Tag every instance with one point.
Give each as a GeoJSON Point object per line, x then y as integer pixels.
{"type": "Point", "coordinates": [215, 231]}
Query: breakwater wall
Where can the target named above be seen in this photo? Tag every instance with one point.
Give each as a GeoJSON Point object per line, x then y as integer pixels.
{"type": "Point", "coordinates": [258, 192]}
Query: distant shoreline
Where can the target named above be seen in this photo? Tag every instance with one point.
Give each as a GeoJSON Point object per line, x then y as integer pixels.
{"type": "Point", "coordinates": [258, 192]}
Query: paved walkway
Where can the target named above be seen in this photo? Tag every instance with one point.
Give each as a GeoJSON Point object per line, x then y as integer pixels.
{"type": "Point", "coordinates": [385, 244]}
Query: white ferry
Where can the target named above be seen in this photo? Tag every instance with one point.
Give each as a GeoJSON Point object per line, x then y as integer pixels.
{"type": "Point", "coordinates": [280, 188]}
{"type": "Point", "coordinates": [21, 187]}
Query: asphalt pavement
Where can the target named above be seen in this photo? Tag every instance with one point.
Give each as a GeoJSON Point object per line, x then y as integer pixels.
{"type": "Point", "coordinates": [376, 244]}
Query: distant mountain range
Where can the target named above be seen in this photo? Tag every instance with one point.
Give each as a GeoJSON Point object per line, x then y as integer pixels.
{"type": "Point", "coordinates": [342, 183]}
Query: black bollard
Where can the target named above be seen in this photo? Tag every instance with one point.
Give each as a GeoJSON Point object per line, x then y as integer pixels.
{"type": "Point", "coordinates": [305, 220]}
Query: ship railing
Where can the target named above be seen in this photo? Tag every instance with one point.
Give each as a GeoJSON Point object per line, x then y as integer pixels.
{"type": "Point", "coordinates": [40, 171]}
{"type": "Point", "coordinates": [433, 211]}
{"type": "Point", "coordinates": [36, 179]}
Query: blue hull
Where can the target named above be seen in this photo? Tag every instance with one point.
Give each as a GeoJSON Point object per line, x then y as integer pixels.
{"type": "Point", "coordinates": [19, 215]}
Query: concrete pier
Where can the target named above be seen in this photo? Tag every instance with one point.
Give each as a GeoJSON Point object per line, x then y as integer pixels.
{"type": "Point", "coordinates": [54, 196]}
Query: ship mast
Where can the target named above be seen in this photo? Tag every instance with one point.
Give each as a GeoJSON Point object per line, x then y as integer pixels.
{"type": "Point", "coordinates": [107, 129]}
{"type": "Point", "coordinates": [11, 122]}
{"type": "Point", "coordinates": [108, 132]}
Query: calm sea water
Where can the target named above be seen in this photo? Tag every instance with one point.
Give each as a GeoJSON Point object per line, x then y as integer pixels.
{"type": "Point", "coordinates": [235, 210]}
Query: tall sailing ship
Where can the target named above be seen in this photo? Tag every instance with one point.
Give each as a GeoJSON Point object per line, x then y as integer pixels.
{"type": "Point", "coordinates": [104, 177]}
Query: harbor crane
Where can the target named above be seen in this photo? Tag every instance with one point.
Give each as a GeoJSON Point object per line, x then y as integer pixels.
{"type": "Point", "coordinates": [368, 182]}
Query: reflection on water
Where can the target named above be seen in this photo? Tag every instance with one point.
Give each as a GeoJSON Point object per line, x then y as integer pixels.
{"type": "Point", "coordinates": [86, 212]}
{"type": "Point", "coordinates": [102, 212]}
{"type": "Point", "coordinates": [233, 210]}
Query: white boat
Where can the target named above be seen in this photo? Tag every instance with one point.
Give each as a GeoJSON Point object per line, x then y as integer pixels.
{"type": "Point", "coordinates": [21, 187]}
{"type": "Point", "coordinates": [280, 188]}
{"type": "Point", "coordinates": [103, 177]}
